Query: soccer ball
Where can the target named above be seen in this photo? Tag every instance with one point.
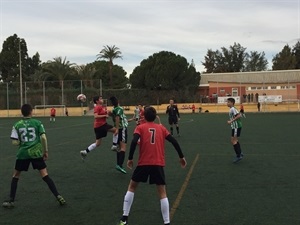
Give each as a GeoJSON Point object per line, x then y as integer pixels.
{"type": "Point", "coordinates": [81, 97]}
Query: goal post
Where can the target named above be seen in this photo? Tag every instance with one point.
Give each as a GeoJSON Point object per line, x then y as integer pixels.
{"type": "Point", "coordinates": [292, 104]}
{"type": "Point", "coordinates": [44, 110]}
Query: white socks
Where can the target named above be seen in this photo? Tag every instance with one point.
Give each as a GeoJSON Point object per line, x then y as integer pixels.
{"type": "Point", "coordinates": [128, 199]}
{"type": "Point", "coordinates": [164, 206]}
{"type": "Point", "coordinates": [92, 147]}
{"type": "Point", "coordinates": [115, 139]}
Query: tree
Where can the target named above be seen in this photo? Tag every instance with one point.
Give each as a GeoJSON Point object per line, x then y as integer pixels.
{"type": "Point", "coordinates": [58, 69]}
{"type": "Point", "coordinates": [234, 59]}
{"type": "Point", "coordinates": [256, 62]}
{"type": "Point", "coordinates": [10, 60]}
{"type": "Point", "coordinates": [102, 69]}
{"type": "Point", "coordinates": [284, 60]}
{"type": "Point", "coordinates": [296, 53]}
{"type": "Point", "coordinates": [165, 70]}
{"type": "Point", "coordinates": [110, 53]}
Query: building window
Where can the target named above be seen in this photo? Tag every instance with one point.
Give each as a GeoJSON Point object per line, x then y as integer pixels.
{"type": "Point", "coordinates": [235, 92]}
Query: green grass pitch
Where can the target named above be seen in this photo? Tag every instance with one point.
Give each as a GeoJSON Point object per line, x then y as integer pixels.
{"type": "Point", "coordinates": [262, 189]}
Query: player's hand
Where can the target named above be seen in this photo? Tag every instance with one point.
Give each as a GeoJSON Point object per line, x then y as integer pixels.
{"type": "Point", "coordinates": [178, 118]}
{"type": "Point", "coordinates": [45, 156]}
{"type": "Point", "coordinates": [130, 164]}
{"type": "Point", "coordinates": [183, 162]}
{"type": "Point", "coordinates": [229, 122]}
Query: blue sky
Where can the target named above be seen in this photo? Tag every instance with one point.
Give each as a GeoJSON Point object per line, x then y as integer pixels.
{"type": "Point", "coordinates": [79, 29]}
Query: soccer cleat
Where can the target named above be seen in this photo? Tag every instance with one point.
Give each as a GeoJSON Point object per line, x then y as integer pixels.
{"type": "Point", "coordinates": [61, 200]}
{"type": "Point", "coordinates": [237, 159]}
{"type": "Point", "coordinates": [121, 169]}
{"type": "Point", "coordinates": [115, 148]}
{"type": "Point", "coordinates": [123, 223]}
{"type": "Point", "coordinates": [8, 204]}
{"type": "Point", "coordinates": [83, 154]}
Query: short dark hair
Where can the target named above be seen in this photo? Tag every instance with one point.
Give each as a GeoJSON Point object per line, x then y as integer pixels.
{"type": "Point", "coordinates": [96, 98]}
{"type": "Point", "coordinates": [231, 100]}
{"type": "Point", "coordinates": [150, 113]}
{"type": "Point", "coordinates": [26, 109]}
{"type": "Point", "coordinates": [114, 101]}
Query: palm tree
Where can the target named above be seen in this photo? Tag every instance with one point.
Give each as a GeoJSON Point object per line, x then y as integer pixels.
{"type": "Point", "coordinates": [87, 74]}
{"type": "Point", "coordinates": [59, 69]}
{"type": "Point", "coordinates": [110, 53]}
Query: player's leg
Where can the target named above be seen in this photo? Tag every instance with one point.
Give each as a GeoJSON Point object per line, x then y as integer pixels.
{"type": "Point", "coordinates": [157, 176]}
{"type": "Point", "coordinates": [236, 146]}
{"type": "Point", "coordinates": [40, 165]}
{"type": "Point", "coordinates": [171, 125]}
{"type": "Point", "coordinates": [121, 154]}
{"type": "Point", "coordinates": [164, 203]}
{"type": "Point", "coordinates": [128, 200]}
{"type": "Point", "coordinates": [176, 124]}
{"type": "Point", "coordinates": [20, 165]}
{"type": "Point", "coordinates": [100, 132]}
{"type": "Point", "coordinates": [13, 190]}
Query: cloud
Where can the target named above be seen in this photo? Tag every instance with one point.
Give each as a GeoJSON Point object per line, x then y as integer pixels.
{"type": "Point", "coordinates": [78, 30]}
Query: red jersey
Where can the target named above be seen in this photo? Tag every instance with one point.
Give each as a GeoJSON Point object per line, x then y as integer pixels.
{"type": "Point", "coordinates": [142, 116]}
{"type": "Point", "coordinates": [52, 112]}
{"type": "Point", "coordinates": [100, 110]}
{"type": "Point", "coordinates": [152, 143]}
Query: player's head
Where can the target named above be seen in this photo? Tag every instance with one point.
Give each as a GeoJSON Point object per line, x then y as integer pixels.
{"type": "Point", "coordinates": [26, 110]}
{"type": "Point", "coordinates": [114, 101]}
{"type": "Point", "coordinates": [150, 114]}
{"type": "Point", "coordinates": [171, 101]}
{"type": "Point", "coordinates": [140, 106]}
{"type": "Point", "coordinates": [97, 99]}
{"type": "Point", "coordinates": [230, 101]}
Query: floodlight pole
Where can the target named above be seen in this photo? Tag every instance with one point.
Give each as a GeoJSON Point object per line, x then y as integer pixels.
{"type": "Point", "coordinates": [20, 65]}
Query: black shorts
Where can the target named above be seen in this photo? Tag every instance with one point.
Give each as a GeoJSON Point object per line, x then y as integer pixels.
{"type": "Point", "coordinates": [23, 164]}
{"type": "Point", "coordinates": [241, 111]}
{"type": "Point", "coordinates": [236, 132]}
{"type": "Point", "coordinates": [173, 120]}
{"type": "Point", "coordinates": [155, 174]}
{"type": "Point", "coordinates": [101, 132]}
{"type": "Point", "coordinates": [122, 135]}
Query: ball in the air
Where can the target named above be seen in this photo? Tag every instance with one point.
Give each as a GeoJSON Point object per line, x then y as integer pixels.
{"type": "Point", "coordinates": [81, 97]}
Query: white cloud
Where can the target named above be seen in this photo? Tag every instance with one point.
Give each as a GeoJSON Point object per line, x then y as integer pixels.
{"type": "Point", "coordinates": [78, 29]}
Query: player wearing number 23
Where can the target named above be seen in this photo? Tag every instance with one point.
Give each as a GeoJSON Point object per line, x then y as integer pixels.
{"type": "Point", "coordinates": [29, 135]}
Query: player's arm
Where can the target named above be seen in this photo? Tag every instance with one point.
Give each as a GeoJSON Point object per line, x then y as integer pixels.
{"type": "Point", "coordinates": [45, 145]}
{"type": "Point", "coordinates": [132, 149]}
{"type": "Point", "coordinates": [14, 137]}
{"type": "Point", "coordinates": [236, 116]}
{"type": "Point", "coordinates": [177, 112]}
{"type": "Point", "coordinates": [167, 111]}
{"type": "Point", "coordinates": [176, 145]}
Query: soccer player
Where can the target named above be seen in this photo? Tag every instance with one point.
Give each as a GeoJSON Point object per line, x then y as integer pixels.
{"type": "Point", "coordinates": [141, 115]}
{"type": "Point", "coordinates": [236, 126]}
{"type": "Point", "coordinates": [151, 162]}
{"type": "Point", "coordinates": [174, 117]}
{"type": "Point", "coordinates": [101, 127]}
{"type": "Point", "coordinates": [121, 125]}
{"type": "Point", "coordinates": [52, 114]}
{"type": "Point", "coordinates": [29, 135]}
{"type": "Point", "coordinates": [242, 112]}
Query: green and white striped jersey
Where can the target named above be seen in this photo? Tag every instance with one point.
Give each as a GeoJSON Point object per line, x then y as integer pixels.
{"type": "Point", "coordinates": [119, 111]}
{"type": "Point", "coordinates": [232, 113]}
{"type": "Point", "coordinates": [28, 132]}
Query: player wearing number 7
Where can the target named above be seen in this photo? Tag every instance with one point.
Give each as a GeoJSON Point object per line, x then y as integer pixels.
{"type": "Point", "coordinates": [29, 135]}
{"type": "Point", "coordinates": [151, 162]}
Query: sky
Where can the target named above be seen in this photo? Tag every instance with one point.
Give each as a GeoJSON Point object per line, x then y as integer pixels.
{"type": "Point", "coordinates": [79, 29]}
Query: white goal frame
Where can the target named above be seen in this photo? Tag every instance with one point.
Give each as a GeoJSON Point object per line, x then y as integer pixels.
{"type": "Point", "coordinates": [297, 101]}
{"type": "Point", "coordinates": [44, 110]}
